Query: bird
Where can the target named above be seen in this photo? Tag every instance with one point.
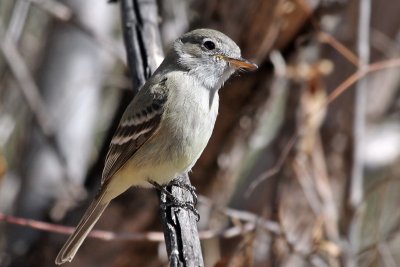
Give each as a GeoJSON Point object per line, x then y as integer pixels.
{"type": "Point", "coordinates": [167, 125]}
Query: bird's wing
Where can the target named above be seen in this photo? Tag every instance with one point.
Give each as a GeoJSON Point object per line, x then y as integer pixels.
{"type": "Point", "coordinates": [140, 121]}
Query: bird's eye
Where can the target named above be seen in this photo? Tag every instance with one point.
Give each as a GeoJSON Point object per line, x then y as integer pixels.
{"type": "Point", "coordinates": [210, 45]}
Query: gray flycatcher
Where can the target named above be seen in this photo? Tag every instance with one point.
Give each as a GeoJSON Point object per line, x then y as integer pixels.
{"type": "Point", "coordinates": [168, 123]}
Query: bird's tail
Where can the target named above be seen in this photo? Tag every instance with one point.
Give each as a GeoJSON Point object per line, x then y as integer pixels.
{"type": "Point", "coordinates": [86, 224]}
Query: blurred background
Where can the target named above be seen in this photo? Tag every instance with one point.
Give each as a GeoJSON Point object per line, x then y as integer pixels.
{"type": "Point", "coordinates": [303, 168]}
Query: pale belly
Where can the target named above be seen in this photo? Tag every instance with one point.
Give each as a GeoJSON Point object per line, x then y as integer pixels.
{"type": "Point", "coordinates": [175, 148]}
{"type": "Point", "coordinates": [183, 143]}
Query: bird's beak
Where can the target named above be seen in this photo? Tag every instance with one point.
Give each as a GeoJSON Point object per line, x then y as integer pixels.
{"type": "Point", "coordinates": [241, 63]}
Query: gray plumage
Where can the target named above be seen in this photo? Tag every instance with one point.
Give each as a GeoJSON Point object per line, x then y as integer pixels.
{"type": "Point", "coordinates": [167, 125]}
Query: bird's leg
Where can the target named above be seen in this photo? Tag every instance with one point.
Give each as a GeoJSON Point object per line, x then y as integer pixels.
{"type": "Point", "coordinates": [161, 188]}
{"type": "Point", "coordinates": [174, 202]}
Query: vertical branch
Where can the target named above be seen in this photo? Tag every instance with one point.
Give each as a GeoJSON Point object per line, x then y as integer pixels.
{"type": "Point", "coordinates": [26, 82]}
{"type": "Point", "coordinates": [180, 228]}
{"type": "Point", "coordinates": [142, 39]}
{"type": "Point", "coordinates": [18, 20]}
{"type": "Point", "coordinates": [355, 197]}
{"type": "Point", "coordinates": [144, 52]}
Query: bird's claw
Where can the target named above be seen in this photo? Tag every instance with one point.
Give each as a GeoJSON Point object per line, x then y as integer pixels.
{"type": "Point", "coordinates": [188, 187]}
{"type": "Point", "coordinates": [174, 202]}
{"type": "Point", "coordinates": [183, 205]}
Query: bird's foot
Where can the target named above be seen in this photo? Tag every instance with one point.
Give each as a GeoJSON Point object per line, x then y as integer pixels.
{"type": "Point", "coordinates": [174, 202]}
{"type": "Point", "coordinates": [187, 205]}
{"type": "Point", "coordinates": [188, 187]}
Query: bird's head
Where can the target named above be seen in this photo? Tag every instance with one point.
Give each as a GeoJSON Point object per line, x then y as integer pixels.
{"type": "Point", "coordinates": [210, 56]}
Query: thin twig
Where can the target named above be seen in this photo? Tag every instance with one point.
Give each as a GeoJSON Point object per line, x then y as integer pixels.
{"type": "Point", "coordinates": [387, 256]}
{"type": "Point", "coordinates": [338, 46]}
{"type": "Point", "coordinates": [18, 20]}
{"type": "Point", "coordinates": [280, 78]}
{"type": "Point", "coordinates": [356, 183]}
{"type": "Point", "coordinates": [358, 75]}
{"type": "Point", "coordinates": [384, 44]}
{"type": "Point", "coordinates": [390, 236]}
{"type": "Point", "coordinates": [292, 246]}
{"type": "Point", "coordinates": [98, 234]}
{"type": "Point", "coordinates": [245, 216]}
{"type": "Point", "coordinates": [64, 14]}
{"type": "Point", "coordinates": [276, 168]}
{"type": "Point", "coordinates": [251, 222]}
{"type": "Point", "coordinates": [326, 37]}
{"type": "Point", "coordinates": [26, 83]}
{"type": "Point", "coordinates": [30, 91]}
{"type": "Point", "coordinates": [325, 191]}
{"type": "Point", "coordinates": [356, 194]}
{"type": "Point", "coordinates": [307, 186]}
{"type": "Point", "coordinates": [55, 8]}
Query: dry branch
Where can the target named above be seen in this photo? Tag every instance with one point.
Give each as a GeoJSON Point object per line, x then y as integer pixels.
{"type": "Point", "coordinates": [249, 222]}
{"type": "Point", "coordinates": [355, 194]}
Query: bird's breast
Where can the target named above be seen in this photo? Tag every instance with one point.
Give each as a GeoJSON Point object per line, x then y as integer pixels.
{"type": "Point", "coordinates": [191, 118]}
{"type": "Point", "coordinates": [185, 128]}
